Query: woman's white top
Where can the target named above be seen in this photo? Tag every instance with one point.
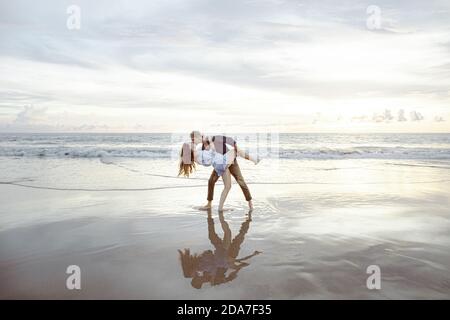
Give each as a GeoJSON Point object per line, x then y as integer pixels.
{"type": "Point", "coordinates": [211, 157]}
{"type": "Point", "coordinates": [205, 157]}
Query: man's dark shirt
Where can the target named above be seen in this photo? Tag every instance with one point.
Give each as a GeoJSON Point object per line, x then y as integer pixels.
{"type": "Point", "coordinates": [220, 143]}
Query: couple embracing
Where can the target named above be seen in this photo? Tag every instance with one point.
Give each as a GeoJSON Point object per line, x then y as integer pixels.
{"type": "Point", "coordinates": [221, 153]}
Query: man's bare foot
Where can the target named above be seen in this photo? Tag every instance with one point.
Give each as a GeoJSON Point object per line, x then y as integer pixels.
{"type": "Point", "coordinates": [250, 206]}
{"type": "Point", "coordinates": [206, 206]}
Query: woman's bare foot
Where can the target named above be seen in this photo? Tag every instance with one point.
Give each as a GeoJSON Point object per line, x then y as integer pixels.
{"type": "Point", "coordinates": [225, 209]}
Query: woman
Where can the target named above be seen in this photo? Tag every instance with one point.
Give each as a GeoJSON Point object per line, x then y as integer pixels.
{"type": "Point", "coordinates": [208, 156]}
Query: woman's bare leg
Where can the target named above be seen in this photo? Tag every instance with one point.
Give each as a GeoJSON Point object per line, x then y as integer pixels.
{"type": "Point", "coordinates": [226, 188]}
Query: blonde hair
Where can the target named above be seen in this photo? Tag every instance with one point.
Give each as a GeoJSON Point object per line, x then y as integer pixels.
{"type": "Point", "coordinates": [187, 163]}
{"type": "Point", "coordinates": [189, 263]}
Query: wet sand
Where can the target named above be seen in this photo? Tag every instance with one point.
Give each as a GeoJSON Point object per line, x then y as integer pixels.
{"type": "Point", "coordinates": [315, 239]}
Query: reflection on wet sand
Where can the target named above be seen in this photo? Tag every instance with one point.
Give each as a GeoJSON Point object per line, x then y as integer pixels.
{"type": "Point", "coordinates": [222, 264]}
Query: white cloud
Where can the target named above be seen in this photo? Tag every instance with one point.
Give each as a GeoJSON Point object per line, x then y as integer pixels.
{"type": "Point", "coordinates": [30, 115]}
{"type": "Point", "coordinates": [416, 116]}
{"type": "Point", "coordinates": [401, 116]}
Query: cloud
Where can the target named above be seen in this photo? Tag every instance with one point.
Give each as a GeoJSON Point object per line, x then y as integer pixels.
{"type": "Point", "coordinates": [30, 115]}
{"type": "Point", "coordinates": [386, 116]}
{"type": "Point", "coordinates": [415, 116]}
{"type": "Point", "coordinates": [268, 57]}
{"type": "Point", "coordinates": [401, 116]}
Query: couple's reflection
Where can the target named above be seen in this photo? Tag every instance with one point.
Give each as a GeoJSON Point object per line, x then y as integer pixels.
{"type": "Point", "coordinates": [222, 264]}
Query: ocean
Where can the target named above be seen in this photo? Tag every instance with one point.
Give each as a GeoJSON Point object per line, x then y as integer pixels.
{"type": "Point", "coordinates": [297, 146]}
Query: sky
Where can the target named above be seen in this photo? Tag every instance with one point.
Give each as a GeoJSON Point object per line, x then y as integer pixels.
{"type": "Point", "coordinates": [224, 65]}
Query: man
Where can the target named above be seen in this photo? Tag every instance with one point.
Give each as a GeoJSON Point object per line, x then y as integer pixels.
{"type": "Point", "coordinates": [221, 144]}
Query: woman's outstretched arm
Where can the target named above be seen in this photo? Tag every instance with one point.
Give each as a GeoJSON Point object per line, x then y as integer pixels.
{"type": "Point", "coordinates": [248, 257]}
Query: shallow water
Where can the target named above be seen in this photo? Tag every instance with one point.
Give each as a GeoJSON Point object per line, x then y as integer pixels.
{"type": "Point", "coordinates": [316, 227]}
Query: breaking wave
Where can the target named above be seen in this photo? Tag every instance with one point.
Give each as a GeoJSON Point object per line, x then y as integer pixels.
{"type": "Point", "coordinates": [362, 152]}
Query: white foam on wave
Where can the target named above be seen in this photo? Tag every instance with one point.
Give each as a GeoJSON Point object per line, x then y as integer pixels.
{"type": "Point", "coordinates": [366, 153]}
{"type": "Point", "coordinates": [292, 146]}
{"type": "Point", "coordinates": [83, 152]}
{"type": "Point", "coordinates": [165, 153]}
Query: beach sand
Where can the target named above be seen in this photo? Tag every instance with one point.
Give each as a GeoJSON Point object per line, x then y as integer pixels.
{"type": "Point", "coordinates": [317, 224]}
